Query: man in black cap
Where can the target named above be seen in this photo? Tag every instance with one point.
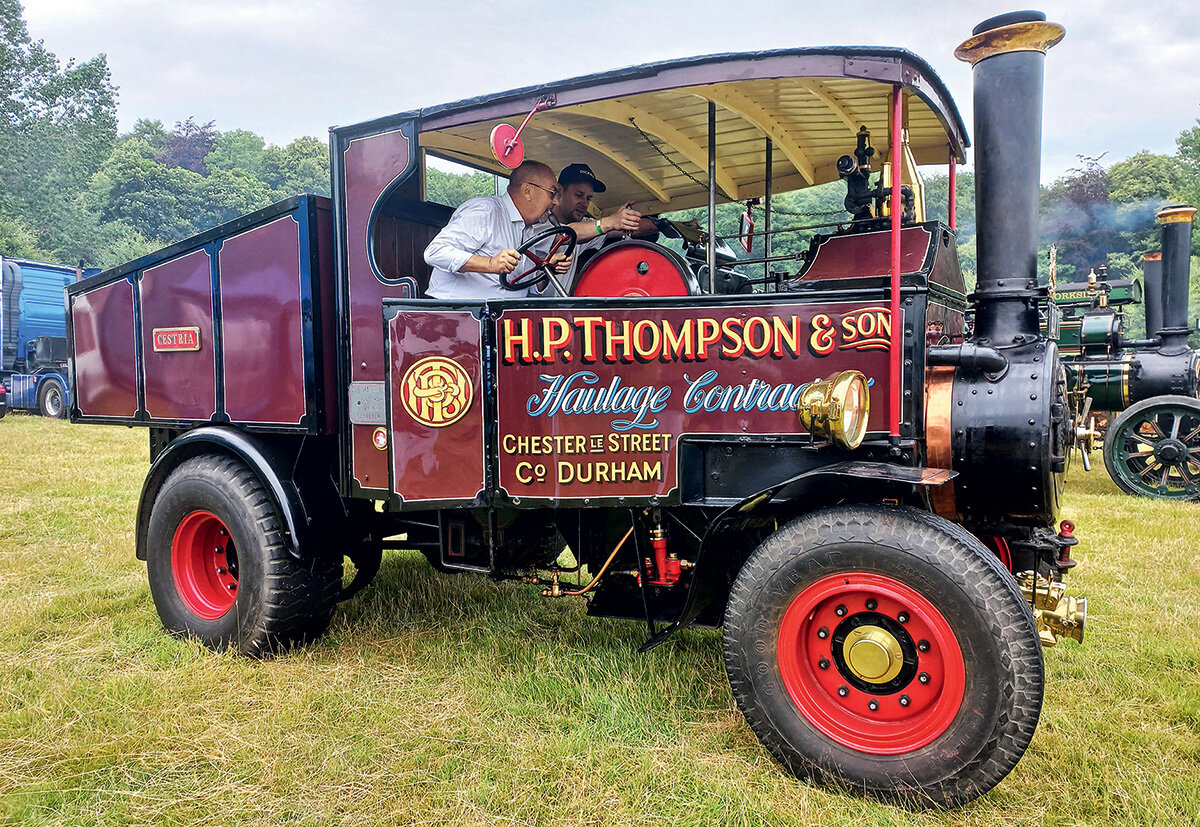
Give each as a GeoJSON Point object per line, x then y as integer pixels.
{"type": "Point", "coordinates": [577, 185]}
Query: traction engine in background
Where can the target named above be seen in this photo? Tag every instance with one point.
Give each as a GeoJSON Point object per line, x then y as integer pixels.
{"type": "Point", "coordinates": [1152, 444]}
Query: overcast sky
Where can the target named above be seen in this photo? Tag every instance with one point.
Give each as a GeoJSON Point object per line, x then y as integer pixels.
{"type": "Point", "coordinates": [1125, 78]}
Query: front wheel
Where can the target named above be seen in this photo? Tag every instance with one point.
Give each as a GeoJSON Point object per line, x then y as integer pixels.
{"type": "Point", "coordinates": [220, 570]}
{"type": "Point", "coordinates": [885, 650]}
{"type": "Point", "coordinates": [52, 398]}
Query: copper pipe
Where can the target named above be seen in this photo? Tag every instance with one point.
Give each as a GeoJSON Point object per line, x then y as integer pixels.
{"type": "Point", "coordinates": [603, 568]}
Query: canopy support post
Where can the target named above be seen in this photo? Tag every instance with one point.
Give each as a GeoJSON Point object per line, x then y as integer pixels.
{"type": "Point", "coordinates": [712, 197]}
{"type": "Point", "coordinates": [953, 208]}
{"type": "Point", "coordinates": [767, 219]}
{"type": "Point", "coordinates": [895, 376]}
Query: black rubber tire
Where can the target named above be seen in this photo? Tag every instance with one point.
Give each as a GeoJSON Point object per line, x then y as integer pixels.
{"type": "Point", "coordinates": [1125, 477]}
{"type": "Point", "coordinates": [281, 601]}
{"type": "Point", "coordinates": [943, 563]}
{"type": "Point", "coordinates": [52, 398]}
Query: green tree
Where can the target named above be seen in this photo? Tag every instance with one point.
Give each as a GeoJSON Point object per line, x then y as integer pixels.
{"type": "Point", "coordinates": [1187, 145]}
{"type": "Point", "coordinates": [1146, 176]}
{"type": "Point", "coordinates": [226, 194]}
{"type": "Point", "coordinates": [17, 240]}
{"type": "Point", "coordinates": [301, 166]}
{"type": "Point", "coordinates": [452, 189]}
{"type": "Point", "coordinates": [117, 243]}
{"type": "Point", "coordinates": [57, 125]}
{"type": "Point", "coordinates": [237, 149]}
{"type": "Point", "coordinates": [160, 203]}
{"type": "Point", "coordinates": [937, 208]}
{"type": "Point", "coordinates": [152, 132]}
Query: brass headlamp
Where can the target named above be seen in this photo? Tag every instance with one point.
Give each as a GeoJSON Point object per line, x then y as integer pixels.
{"type": "Point", "coordinates": [836, 408]}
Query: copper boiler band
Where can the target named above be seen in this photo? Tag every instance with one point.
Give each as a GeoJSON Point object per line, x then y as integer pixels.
{"type": "Point", "coordinates": [939, 393]}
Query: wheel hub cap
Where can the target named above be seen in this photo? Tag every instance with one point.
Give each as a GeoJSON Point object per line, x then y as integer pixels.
{"type": "Point", "coordinates": [871, 663]}
{"type": "Point", "coordinates": [873, 655]}
{"type": "Point", "coordinates": [1171, 450]}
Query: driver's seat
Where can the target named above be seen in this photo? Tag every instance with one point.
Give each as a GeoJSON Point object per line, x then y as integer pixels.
{"type": "Point", "coordinates": [635, 268]}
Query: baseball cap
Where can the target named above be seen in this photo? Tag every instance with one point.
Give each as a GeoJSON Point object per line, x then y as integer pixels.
{"type": "Point", "coordinates": [575, 173]}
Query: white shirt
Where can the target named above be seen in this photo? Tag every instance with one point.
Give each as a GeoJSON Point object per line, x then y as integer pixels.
{"type": "Point", "coordinates": [482, 227]}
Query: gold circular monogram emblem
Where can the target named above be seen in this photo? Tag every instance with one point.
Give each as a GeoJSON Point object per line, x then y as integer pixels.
{"type": "Point", "coordinates": [436, 391]}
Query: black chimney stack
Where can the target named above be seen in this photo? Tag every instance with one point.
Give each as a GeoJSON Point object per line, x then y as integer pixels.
{"type": "Point", "coordinates": [1007, 54]}
{"type": "Point", "coordinates": [1152, 276]}
{"type": "Point", "coordinates": [1176, 271]}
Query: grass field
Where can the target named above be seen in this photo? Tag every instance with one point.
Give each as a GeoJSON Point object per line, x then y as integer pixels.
{"type": "Point", "coordinates": [446, 700]}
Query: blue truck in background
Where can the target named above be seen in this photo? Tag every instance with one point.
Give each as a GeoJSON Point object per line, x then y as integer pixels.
{"type": "Point", "coordinates": [33, 334]}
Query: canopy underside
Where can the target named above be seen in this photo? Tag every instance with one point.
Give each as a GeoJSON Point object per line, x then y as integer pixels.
{"type": "Point", "coordinates": [652, 148]}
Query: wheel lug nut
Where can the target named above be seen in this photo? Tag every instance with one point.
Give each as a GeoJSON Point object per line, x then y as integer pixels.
{"type": "Point", "coordinates": [922, 646]}
{"type": "Point", "coordinates": [902, 617]}
{"type": "Point", "coordinates": [840, 611]}
{"type": "Point", "coordinates": [843, 691]}
{"type": "Point", "coordinates": [823, 663]}
{"type": "Point", "coordinates": [822, 633]}
{"type": "Point", "coordinates": [231, 586]}
{"type": "Point", "coordinates": [872, 604]}
{"type": "Point", "coordinates": [873, 705]}
{"type": "Point", "coordinates": [905, 700]}
{"type": "Point", "coordinates": [221, 569]}
{"type": "Point", "coordinates": [923, 677]}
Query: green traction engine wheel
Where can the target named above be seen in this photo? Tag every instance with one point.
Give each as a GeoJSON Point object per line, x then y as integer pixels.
{"type": "Point", "coordinates": [1153, 448]}
{"type": "Point", "coordinates": [885, 650]}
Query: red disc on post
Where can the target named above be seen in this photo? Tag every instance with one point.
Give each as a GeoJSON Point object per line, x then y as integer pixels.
{"type": "Point", "coordinates": [507, 146]}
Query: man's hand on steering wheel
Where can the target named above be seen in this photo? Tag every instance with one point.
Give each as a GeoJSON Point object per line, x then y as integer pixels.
{"type": "Point", "coordinates": [543, 268]}
{"type": "Point", "coordinates": [504, 261]}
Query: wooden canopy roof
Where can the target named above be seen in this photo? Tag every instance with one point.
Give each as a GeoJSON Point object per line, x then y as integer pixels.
{"type": "Point", "coordinates": [644, 129]}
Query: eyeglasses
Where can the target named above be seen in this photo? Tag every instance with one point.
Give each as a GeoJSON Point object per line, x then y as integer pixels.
{"type": "Point", "coordinates": [553, 192]}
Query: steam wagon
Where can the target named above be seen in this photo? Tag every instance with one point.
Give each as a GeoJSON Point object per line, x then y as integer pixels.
{"type": "Point", "coordinates": [1152, 446]}
{"type": "Point", "coordinates": [865, 500]}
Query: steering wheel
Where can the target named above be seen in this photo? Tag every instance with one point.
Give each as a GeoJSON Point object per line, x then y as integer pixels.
{"type": "Point", "coordinates": [541, 269]}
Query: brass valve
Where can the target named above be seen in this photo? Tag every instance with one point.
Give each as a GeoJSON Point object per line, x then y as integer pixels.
{"type": "Point", "coordinates": [1055, 614]}
{"type": "Point", "coordinates": [555, 588]}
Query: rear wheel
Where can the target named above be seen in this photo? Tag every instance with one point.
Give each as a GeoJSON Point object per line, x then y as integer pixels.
{"type": "Point", "coordinates": [886, 650]}
{"type": "Point", "coordinates": [220, 570]}
{"type": "Point", "coordinates": [52, 398]}
{"type": "Point", "coordinates": [1153, 448]}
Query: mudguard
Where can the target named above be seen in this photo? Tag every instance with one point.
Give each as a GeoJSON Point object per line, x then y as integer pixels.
{"type": "Point", "coordinates": [271, 466]}
{"type": "Point", "coordinates": [709, 581]}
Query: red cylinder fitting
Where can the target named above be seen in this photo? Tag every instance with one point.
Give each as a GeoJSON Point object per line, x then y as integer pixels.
{"type": "Point", "coordinates": [667, 569]}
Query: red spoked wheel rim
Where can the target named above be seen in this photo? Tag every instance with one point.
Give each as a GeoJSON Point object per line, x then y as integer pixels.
{"type": "Point", "coordinates": [871, 663]}
{"type": "Point", "coordinates": [204, 562]}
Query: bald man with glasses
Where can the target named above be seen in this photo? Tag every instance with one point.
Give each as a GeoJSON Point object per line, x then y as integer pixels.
{"type": "Point", "coordinates": [479, 244]}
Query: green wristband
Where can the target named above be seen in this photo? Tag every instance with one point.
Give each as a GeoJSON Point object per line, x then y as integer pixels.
{"type": "Point", "coordinates": [598, 230]}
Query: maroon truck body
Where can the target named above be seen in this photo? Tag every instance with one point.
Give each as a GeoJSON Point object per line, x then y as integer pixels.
{"type": "Point", "coordinates": [235, 325]}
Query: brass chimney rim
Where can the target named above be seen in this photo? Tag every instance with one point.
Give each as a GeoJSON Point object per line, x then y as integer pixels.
{"type": "Point", "coordinates": [1178, 214]}
{"type": "Point", "coordinates": [1029, 36]}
